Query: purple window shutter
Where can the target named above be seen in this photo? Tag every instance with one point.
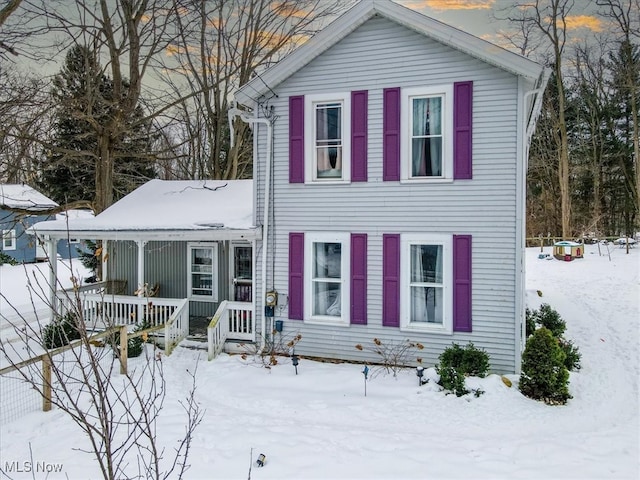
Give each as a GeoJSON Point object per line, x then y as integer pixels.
{"type": "Point", "coordinates": [391, 280]}
{"type": "Point", "coordinates": [359, 121]}
{"type": "Point", "coordinates": [296, 276]}
{"type": "Point", "coordinates": [296, 139]}
{"type": "Point", "coordinates": [359, 278]}
{"type": "Point", "coordinates": [391, 134]}
{"type": "Point", "coordinates": [462, 283]}
{"type": "Point", "coordinates": [462, 131]}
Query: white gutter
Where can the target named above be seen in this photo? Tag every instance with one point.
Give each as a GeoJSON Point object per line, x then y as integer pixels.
{"type": "Point", "coordinates": [528, 119]}
{"type": "Point", "coordinates": [236, 112]}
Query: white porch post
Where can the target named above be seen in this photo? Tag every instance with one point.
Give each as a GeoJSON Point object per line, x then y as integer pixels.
{"type": "Point", "coordinates": [103, 259]}
{"type": "Point", "coordinates": [52, 254]}
{"type": "Point", "coordinates": [141, 244]}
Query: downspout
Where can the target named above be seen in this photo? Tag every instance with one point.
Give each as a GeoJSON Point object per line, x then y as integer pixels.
{"type": "Point", "coordinates": [530, 124]}
{"type": "Point", "coordinates": [236, 112]}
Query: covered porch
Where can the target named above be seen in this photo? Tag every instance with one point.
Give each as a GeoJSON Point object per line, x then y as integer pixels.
{"type": "Point", "coordinates": [173, 253]}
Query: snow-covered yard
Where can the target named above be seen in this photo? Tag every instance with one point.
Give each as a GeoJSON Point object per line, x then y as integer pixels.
{"type": "Point", "coordinates": [319, 424]}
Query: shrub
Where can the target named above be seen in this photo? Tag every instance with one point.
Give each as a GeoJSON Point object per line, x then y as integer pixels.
{"type": "Point", "coordinates": [544, 375]}
{"type": "Point", "coordinates": [573, 356]}
{"type": "Point", "coordinates": [134, 345]}
{"type": "Point", "coordinates": [393, 356]}
{"type": "Point", "coordinates": [61, 331]}
{"type": "Point", "coordinates": [549, 318]}
{"type": "Point", "coordinates": [456, 363]}
{"type": "Point", "coordinates": [530, 322]}
{"type": "Point", "coordinates": [4, 258]}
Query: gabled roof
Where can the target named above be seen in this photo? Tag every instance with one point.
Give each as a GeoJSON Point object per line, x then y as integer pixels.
{"type": "Point", "coordinates": [24, 197]}
{"type": "Point", "coordinates": [163, 209]}
{"type": "Point", "coordinates": [365, 10]}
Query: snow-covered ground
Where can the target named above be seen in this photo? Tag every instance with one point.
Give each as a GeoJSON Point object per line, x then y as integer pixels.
{"type": "Point", "coordinates": [320, 425]}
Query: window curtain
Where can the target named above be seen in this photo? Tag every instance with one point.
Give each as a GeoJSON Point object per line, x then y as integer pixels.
{"type": "Point", "coordinates": [328, 139]}
{"type": "Point", "coordinates": [427, 133]}
{"type": "Point", "coordinates": [327, 298]}
{"type": "Point", "coordinates": [426, 267]}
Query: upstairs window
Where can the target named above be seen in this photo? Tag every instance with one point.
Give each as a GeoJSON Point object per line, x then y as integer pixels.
{"type": "Point", "coordinates": [427, 134]}
{"type": "Point", "coordinates": [327, 144]}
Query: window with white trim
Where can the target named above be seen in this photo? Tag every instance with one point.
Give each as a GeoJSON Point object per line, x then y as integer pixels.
{"type": "Point", "coordinates": [426, 269]}
{"type": "Point", "coordinates": [203, 271]}
{"type": "Point", "coordinates": [8, 239]}
{"type": "Point", "coordinates": [327, 136]}
{"type": "Point", "coordinates": [327, 277]}
{"type": "Point", "coordinates": [427, 134]}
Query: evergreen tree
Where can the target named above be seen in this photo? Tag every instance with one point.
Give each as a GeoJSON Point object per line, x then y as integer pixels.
{"type": "Point", "coordinates": [625, 80]}
{"type": "Point", "coordinates": [85, 102]}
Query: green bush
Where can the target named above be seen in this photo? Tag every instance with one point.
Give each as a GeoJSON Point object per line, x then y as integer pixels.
{"type": "Point", "coordinates": [135, 344]}
{"type": "Point", "coordinates": [456, 363]}
{"type": "Point", "coordinates": [544, 375]}
{"type": "Point", "coordinates": [572, 354]}
{"type": "Point", "coordinates": [61, 331]}
{"type": "Point", "coordinates": [547, 317]}
{"type": "Point", "coordinates": [9, 260]}
{"type": "Point", "coordinates": [530, 322]}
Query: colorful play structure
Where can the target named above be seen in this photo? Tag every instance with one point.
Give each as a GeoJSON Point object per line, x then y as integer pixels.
{"type": "Point", "coordinates": [567, 250]}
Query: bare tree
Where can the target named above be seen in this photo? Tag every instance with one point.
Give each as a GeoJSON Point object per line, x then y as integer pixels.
{"type": "Point", "coordinates": [117, 411]}
{"type": "Point", "coordinates": [222, 44]}
{"type": "Point", "coordinates": [128, 36]}
{"type": "Point", "coordinates": [24, 122]}
{"type": "Point", "coordinates": [10, 7]}
{"type": "Point", "coordinates": [549, 21]}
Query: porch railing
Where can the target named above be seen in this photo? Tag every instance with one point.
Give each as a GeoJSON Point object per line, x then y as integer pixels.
{"type": "Point", "coordinates": [232, 320]}
{"type": "Point", "coordinates": [100, 310]}
{"type": "Point", "coordinates": [176, 328]}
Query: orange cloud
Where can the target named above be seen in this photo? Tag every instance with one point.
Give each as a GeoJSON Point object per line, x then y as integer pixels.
{"type": "Point", "coordinates": [450, 4]}
{"type": "Point", "coordinates": [575, 22]}
{"type": "Point", "coordinates": [288, 9]}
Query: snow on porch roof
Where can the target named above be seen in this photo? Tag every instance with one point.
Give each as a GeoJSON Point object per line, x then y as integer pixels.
{"type": "Point", "coordinates": [189, 209]}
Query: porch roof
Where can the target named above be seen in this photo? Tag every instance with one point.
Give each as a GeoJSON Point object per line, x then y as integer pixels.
{"type": "Point", "coordinates": [195, 210]}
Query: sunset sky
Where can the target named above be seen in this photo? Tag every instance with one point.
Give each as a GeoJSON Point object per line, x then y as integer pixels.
{"type": "Point", "coordinates": [475, 16]}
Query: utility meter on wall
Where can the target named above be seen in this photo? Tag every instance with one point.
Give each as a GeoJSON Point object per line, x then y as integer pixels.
{"type": "Point", "coordinates": [271, 298]}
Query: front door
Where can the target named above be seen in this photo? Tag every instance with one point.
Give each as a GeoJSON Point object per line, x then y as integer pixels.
{"type": "Point", "coordinates": [242, 273]}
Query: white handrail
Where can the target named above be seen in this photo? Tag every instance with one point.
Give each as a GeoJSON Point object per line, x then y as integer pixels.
{"type": "Point", "coordinates": [232, 320]}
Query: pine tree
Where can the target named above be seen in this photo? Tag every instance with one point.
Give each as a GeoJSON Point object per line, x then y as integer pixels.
{"type": "Point", "coordinates": [85, 101]}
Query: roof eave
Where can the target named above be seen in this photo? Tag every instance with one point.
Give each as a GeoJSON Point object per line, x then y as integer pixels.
{"type": "Point", "coordinates": [212, 234]}
{"type": "Point", "coordinates": [363, 11]}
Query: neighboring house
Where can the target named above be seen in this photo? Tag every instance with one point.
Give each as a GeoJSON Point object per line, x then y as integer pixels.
{"type": "Point", "coordinates": [15, 241]}
{"type": "Point", "coordinates": [393, 191]}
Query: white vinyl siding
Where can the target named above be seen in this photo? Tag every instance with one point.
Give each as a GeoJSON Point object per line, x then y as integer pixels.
{"type": "Point", "coordinates": [378, 55]}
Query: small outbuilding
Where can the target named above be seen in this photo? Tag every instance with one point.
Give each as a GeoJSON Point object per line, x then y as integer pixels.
{"type": "Point", "coordinates": [567, 250]}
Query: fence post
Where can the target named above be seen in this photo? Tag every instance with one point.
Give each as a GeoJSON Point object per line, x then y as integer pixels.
{"type": "Point", "coordinates": [46, 383]}
{"type": "Point", "coordinates": [124, 350]}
